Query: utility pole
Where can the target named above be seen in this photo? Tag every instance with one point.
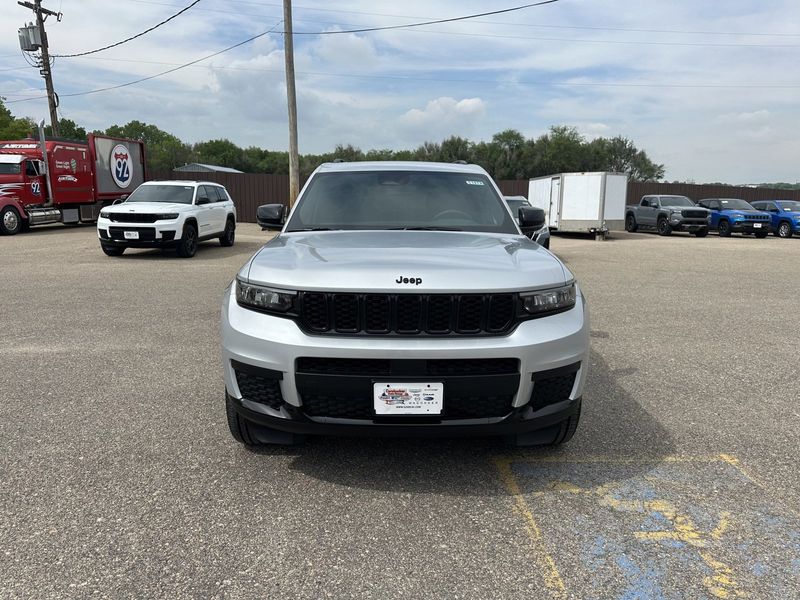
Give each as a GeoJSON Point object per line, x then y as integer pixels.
{"type": "Point", "coordinates": [52, 99]}
{"type": "Point", "coordinates": [291, 97]}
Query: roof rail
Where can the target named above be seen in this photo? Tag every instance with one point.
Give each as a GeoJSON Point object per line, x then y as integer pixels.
{"type": "Point", "coordinates": [460, 162]}
{"type": "Point", "coordinates": [339, 160]}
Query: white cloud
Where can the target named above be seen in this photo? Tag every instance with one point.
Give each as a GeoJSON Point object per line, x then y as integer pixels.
{"type": "Point", "coordinates": [443, 117]}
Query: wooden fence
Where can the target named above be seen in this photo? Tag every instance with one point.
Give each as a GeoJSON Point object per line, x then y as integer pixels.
{"type": "Point", "coordinates": [251, 190]}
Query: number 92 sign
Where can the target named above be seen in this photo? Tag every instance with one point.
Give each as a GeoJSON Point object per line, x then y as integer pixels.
{"type": "Point", "coordinates": [121, 166]}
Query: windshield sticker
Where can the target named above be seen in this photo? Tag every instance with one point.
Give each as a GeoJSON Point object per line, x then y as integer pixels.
{"type": "Point", "coordinates": [474, 182]}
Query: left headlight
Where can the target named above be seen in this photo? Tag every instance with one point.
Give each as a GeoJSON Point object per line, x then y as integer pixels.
{"type": "Point", "coordinates": [546, 301]}
{"type": "Point", "coordinates": [166, 216]}
{"type": "Point", "coordinates": [264, 298]}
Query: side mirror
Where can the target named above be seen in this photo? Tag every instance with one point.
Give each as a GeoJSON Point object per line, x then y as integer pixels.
{"type": "Point", "coordinates": [120, 200]}
{"type": "Point", "coordinates": [202, 200]}
{"type": "Point", "coordinates": [531, 217]}
{"type": "Point", "coordinates": [270, 216]}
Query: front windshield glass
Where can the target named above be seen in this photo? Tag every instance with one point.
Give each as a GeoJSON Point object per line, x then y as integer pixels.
{"type": "Point", "coordinates": [10, 169]}
{"type": "Point", "coordinates": [401, 200]}
{"type": "Point", "coordinates": [676, 201]}
{"type": "Point", "coordinates": [790, 205]}
{"type": "Point", "coordinates": [182, 194]}
{"type": "Point", "coordinates": [734, 204]}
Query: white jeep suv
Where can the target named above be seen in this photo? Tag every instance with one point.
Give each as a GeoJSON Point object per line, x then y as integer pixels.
{"type": "Point", "coordinates": [168, 214]}
{"type": "Point", "coordinates": [401, 298]}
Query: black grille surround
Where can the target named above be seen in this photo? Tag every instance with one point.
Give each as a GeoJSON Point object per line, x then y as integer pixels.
{"type": "Point", "coordinates": [259, 385]}
{"type": "Point", "coordinates": [342, 388]}
{"type": "Point", "coordinates": [146, 234]}
{"type": "Point", "coordinates": [756, 217]}
{"type": "Point", "coordinates": [550, 387]}
{"type": "Point", "coordinates": [694, 214]}
{"type": "Point", "coordinates": [331, 313]}
{"type": "Point", "coordinates": [133, 218]}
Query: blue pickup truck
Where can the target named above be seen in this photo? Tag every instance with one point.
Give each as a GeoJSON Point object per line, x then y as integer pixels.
{"type": "Point", "coordinates": [785, 216]}
{"type": "Point", "coordinates": [733, 215]}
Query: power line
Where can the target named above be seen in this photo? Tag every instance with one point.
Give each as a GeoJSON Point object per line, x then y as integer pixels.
{"type": "Point", "coordinates": [433, 22]}
{"type": "Point", "coordinates": [504, 23]}
{"type": "Point", "coordinates": [183, 66]}
{"type": "Point", "coordinates": [133, 37]}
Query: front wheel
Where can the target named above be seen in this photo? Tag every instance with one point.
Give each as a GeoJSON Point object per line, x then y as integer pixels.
{"type": "Point", "coordinates": [229, 235]}
{"type": "Point", "coordinates": [10, 221]}
{"type": "Point", "coordinates": [112, 250]}
{"type": "Point", "coordinates": [555, 435]}
{"type": "Point", "coordinates": [724, 228]}
{"type": "Point", "coordinates": [703, 232]}
{"type": "Point", "coordinates": [664, 228]}
{"type": "Point", "coordinates": [630, 224]}
{"type": "Point", "coordinates": [784, 230]}
{"type": "Point", "coordinates": [187, 247]}
{"type": "Point", "coordinates": [253, 435]}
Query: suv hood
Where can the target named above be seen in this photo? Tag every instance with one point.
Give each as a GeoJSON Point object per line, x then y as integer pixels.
{"type": "Point", "coordinates": [735, 212]}
{"type": "Point", "coordinates": [146, 207]}
{"type": "Point", "coordinates": [374, 261]}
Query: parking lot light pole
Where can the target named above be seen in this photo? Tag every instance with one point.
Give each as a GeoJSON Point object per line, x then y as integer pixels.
{"type": "Point", "coordinates": [291, 98]}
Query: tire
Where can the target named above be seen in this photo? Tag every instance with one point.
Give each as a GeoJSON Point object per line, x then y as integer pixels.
{"type": "Point", "coordinates": [630, 224]}
{"type": "Point", "coordinates": [663, 227]}
{"type": "Point", "coordinates": [10, 221]}
{"type": "Point", "coordinates": [555, 435]}
{"type": "Point", "coordinates": [724, 228]}
{"type": "Point", "coordinates": [229, 235]}
{"type": "Point", "coordinates": [187, 247]}
{"type": "Point", "coordinates": [784, 230]}
{"type": "Point", "coordinates": [701, 232]}
{"type": "Point", "coordinates": [112, 250]}
{"type": "Point", "coordinates": [761, 234]}
{"type": "Point", "coordinates": [252, 435]}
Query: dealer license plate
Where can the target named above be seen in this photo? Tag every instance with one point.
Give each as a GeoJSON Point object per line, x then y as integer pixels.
{"type": "Point", "coordinates": [756, 225]}
{"type": "Point", "coordinates": [408, 398]}
{"type": "Point", "coordinates": [131, 235]}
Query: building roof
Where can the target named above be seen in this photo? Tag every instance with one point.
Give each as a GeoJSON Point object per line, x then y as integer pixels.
{"type": "Point", "coordinates": [203, 167]}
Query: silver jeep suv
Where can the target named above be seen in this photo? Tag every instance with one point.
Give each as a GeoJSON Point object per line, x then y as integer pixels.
{"type": "Point", "coordinates": [401, 298]}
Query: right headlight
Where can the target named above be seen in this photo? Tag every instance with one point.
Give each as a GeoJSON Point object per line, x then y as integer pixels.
{"type": "Point", "coordinates": [542, 302]}
{"type": "Point", "coordinates": [263, 298]}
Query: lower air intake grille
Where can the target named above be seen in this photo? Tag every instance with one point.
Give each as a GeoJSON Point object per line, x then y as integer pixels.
{"type": "Point", "coordinates": [263, 390]}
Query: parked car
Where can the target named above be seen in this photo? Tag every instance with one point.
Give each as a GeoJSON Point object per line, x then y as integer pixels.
{"type": "Point", "coordinates": [542, 235]}
{"type": "Point", "coordinates": [733, 215]}
{"type": "Point", "coordinates": [403, 279]}
{"type": "Point", "coordinates": [784, 216]}
{"type": "Point", "coordinates": [168, 214]}
{"type": "Point", "coordinates": [667, 213]}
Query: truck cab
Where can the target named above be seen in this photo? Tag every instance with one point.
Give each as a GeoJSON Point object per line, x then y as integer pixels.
{"type": "Point", "coordinates": [21, 184]}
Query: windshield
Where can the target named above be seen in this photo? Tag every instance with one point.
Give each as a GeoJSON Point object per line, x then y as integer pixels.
{"type": "Point", "coordinates": [734, 204]}
{"type": "Point", "coordinates": [676, 201]}
{"type": "Point", "coordinates": [789, 205]}
{"type": "Point", "coordinates": [10, 169]}
{"type": "Point", "coordinates": [401, 200]}
{"type": "Point", "coordinates": [181, 194]}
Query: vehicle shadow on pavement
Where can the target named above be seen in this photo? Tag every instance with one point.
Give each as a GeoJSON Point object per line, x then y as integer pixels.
{"type": "Point", "coordinates": [208, 250]}
{"type": "Point", "coordinates": [613, 424]}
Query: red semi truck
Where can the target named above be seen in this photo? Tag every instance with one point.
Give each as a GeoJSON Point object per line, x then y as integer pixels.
{"type": "Point", "coordinates": [52, 181]}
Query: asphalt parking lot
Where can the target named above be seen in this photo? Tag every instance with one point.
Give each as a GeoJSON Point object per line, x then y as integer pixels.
{"type": "Point", "coordinates": [119, 479]}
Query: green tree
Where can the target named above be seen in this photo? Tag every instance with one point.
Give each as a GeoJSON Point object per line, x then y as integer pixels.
{"type": "Point", "coordinates": [11, 127]}
{"type": "Point", "coordinates": [220, 152]}
{"type": "Point", "coordinates": [67, 128]}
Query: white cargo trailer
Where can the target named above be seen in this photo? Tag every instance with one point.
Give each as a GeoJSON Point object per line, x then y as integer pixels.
{"type": "Point", "coordinates": [581, 202]}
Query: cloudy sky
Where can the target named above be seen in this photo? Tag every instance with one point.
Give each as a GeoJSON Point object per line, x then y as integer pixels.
{"type": "Point", "coordinates": [711, 89]}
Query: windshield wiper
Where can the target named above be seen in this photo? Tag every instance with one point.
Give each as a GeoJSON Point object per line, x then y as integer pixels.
{"type": "Point", "coordinates": [424, 229]}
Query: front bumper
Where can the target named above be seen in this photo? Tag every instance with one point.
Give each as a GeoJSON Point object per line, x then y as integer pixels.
{"type": "Point", "coordinates": [265, 343]}
{"type": "Point", "coordinates": [682, 224]}
{"type": "Point", "coordinates": [161, 234]}
{"type": "Point", "coordinates": [750, 227]}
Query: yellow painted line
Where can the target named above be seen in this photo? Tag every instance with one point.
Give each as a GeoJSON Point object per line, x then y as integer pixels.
{"type": "Point", "coordinates": [616, 460]}
{"type": "Point", "coordinates": [552, 578]}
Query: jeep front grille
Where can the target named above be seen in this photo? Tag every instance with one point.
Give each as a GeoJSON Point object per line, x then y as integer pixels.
{"type": "Point", "coordinates": [407, 314]}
